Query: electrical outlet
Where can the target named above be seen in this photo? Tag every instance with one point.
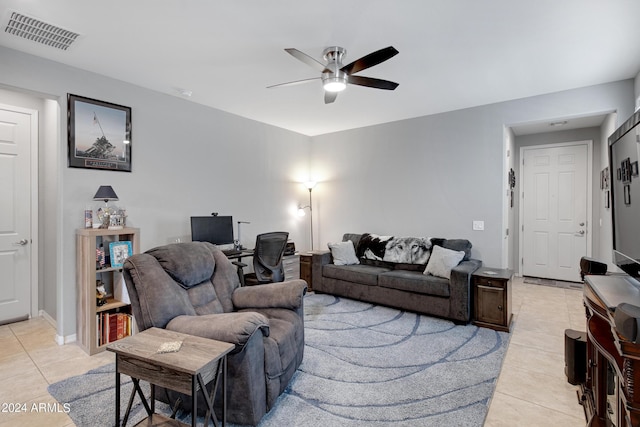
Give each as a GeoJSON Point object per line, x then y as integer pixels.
{"type": "Point", "coordinates": [478, 225]}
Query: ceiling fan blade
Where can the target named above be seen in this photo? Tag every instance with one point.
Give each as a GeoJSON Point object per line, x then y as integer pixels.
{"type": "Point", "coordinates": [297, 82]}
{"type": "Point", "coordinates": [301, 56]}
{"type": "Point", "coordinates": [370, 60]}
{"type": "Point", "coordinates": [329, 97]}
{"type": "Point", "coordinates": [371, 82]}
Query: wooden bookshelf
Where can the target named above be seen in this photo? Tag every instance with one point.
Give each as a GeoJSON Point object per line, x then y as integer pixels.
{"type": "Point", "coordinates": [88, 273]}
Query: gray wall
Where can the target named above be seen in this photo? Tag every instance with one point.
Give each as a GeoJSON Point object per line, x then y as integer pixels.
{"type": "Point", "coordinates": [434, 175]}
{"type": "Point", "coordinates": [187, 160]}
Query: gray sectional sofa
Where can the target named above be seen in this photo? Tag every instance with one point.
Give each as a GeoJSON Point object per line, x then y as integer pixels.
{"type": "Point", "coordinates": [399, 284]}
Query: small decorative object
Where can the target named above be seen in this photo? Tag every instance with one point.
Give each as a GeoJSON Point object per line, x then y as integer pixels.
{"type": "Point", "coordinates": [99, 134]}
{"type": "Point", "coordinates": [100, 258]}
{"type": "Point", "coordinates": [512, 178]}
{"type": "Point", "coordinates": [88, 217]}
{"type": "Point", "coordinates": [106, 193]}
{"type": "Point", "coordinates": [625, 166]}
{"type": "Point", "coordinates": [119, 252]}
{"type": "Point", "coordinates": [627, 194]}
{"type": "Point", "coordinates": [101, 294]}
{"type": "Point", "coordinates": [170, 347]}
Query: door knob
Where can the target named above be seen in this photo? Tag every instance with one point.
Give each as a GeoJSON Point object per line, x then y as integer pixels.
{"type": "Point", "coordinates": [582, 224]}
{"type": "Point", "coordinates": [22, 242]}
{"type": "Point", "coordinates": [581, 232]}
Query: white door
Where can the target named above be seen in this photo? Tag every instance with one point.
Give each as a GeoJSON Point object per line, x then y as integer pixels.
{"type": "Point", "coordinates": [15, 214]}
{"type": "Point", "coordinates": [554, 211]}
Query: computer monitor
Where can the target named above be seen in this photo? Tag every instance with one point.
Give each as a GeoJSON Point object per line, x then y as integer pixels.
{"type": "Point", "coordinates": [213, 229]}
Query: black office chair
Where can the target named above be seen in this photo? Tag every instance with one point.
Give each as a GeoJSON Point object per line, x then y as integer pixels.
{"type": "Point", "coordinates": [267, 259]}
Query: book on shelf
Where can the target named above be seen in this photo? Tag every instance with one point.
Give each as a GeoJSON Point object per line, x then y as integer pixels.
{"type": "Point", "coordinates": [112, 327]}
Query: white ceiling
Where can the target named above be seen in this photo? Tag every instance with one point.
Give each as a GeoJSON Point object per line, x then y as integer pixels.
{"type": "Point", "coordinates": [453, 53]}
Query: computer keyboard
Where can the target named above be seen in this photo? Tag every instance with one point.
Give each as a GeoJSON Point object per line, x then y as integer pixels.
{"type": "Point", "coordinates": [228, 252]}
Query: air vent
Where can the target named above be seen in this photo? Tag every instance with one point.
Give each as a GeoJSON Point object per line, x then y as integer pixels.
{"type": "Point", "coordinates": [38, 31]}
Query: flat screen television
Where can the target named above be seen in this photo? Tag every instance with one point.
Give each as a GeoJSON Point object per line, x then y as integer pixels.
{"type": "Point", "coordinates": [213, 229]}
{"type": "Point", "coordinates": [624, 154]}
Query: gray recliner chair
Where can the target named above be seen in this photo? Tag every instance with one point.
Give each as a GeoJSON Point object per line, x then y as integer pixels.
{"type": "Point", "coordinates": [194, 289]}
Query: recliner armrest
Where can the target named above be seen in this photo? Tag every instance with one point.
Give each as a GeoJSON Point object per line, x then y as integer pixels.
{"type": "Point", "coordinates": [287, 294]}
{"type": "Point", "coordinates": [234, 328]}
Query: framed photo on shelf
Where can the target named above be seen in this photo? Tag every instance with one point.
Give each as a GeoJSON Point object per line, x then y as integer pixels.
{"type": "Point", "coordinates": [99, 134]}
{"type": "Point", "coordinates": [119, 252]}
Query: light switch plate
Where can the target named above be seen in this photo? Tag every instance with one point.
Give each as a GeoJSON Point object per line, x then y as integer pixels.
{"type": "Point", "coordinates": [478, 225]}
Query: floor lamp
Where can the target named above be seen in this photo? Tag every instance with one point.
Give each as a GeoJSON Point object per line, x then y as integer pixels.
{"type": "Point", "coordinates": [309, 185]}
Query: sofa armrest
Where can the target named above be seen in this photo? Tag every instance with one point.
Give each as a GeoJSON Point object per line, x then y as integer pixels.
{"type": "Point", "coordinates": [318, 260]}
{"type": "Point", "coordinates": [287, 294]}
{"type": "Point", "coordinates": [234, 328]}
{"type": "Point", "coordinates": [460, 290]}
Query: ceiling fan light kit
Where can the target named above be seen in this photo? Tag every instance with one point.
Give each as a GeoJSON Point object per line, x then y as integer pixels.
{"type": "Point", "coordinates": [335, 76]}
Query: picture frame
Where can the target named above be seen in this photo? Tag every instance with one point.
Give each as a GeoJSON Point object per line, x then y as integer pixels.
{"type": "Point", "coordinates": [607, 199]}
{"type": "Point", "coordinates": [627, 194]}
{"type": "Point", "coordinates": [634, 168]}
{"type": "Point", "coordinates": [99, 134]}
{"type": "Point", "coordinates": [626, 170]}
{"type": "Point", "coordinates": [119, 252]}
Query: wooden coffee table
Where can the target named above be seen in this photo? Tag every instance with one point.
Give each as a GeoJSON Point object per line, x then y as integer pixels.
{"type": "Point", "coordinates": [198, 362]}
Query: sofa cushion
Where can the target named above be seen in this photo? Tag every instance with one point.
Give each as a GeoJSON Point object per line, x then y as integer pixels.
{"type": "Point", "coordinates": [364, 274]}
{"type": "Point", "coordinates": [343, 253]}
{"type": "Point", "coordinates": [413, 281]}
{"type": "Point", "coordinates": [442, 261]}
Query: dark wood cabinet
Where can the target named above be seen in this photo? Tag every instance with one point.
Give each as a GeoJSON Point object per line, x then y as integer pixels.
{"type": "Point", "coordinates": [305, 269]}
{"type": "Point", "coordinates": [492, 298]}
{"type": "Point", "coordinates": [613, 361]}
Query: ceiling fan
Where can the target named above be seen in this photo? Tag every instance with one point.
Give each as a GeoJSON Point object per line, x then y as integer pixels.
{"type": "Point", "coordinates": [336, 76]}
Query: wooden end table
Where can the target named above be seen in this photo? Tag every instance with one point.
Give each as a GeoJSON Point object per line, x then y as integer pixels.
{"type": "Point", "coordinates": [492, 298]}
{"type": "Point", "coordinates": [198, 362]}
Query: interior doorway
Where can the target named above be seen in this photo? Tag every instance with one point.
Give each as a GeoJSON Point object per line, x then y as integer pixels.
{"type": "Point", "coordinates": [555, 210]}
{"type": "Point", "coordinates": [18, 225]}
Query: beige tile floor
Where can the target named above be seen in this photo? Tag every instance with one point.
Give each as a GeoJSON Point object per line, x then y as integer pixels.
{"type": "Point", "coordinates": [531, 391]}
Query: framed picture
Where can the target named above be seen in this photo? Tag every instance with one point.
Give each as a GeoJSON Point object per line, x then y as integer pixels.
{"type": "Point", "coordinates": [602, 180]}
{"type": "Point", "coordinates": [99, 134]}
{"type": "Point", "coordinates": [619, 174]}
{"type": "Point", "coordinates": [626, 170]}
{"type": "Point", "coordinates": [627, 194]}
{"type": "Point", "coordinates": [607, 199]}
{"type": "Point", "coordinates": [634, 168]}
{"type": "Point", "coordinates": [119, 251]}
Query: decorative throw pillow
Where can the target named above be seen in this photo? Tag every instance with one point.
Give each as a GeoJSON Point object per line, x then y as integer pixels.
{"type": "Point", "coordinates": [442, 261]}
{"type": "Point", "coordinates": [343, 253]}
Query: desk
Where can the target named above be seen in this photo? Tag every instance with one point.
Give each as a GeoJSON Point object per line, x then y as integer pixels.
{"type": "Point", "coordinates": [239, 256]}
{"type": "Point", "coordinates": [198, 362]}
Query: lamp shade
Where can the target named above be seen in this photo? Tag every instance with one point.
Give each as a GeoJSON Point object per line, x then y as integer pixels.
{"type": "Point", "coordinates": [106, 193]}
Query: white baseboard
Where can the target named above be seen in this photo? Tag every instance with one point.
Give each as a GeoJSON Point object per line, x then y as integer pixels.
{"type": "Point", "coordinates": [60, 340]}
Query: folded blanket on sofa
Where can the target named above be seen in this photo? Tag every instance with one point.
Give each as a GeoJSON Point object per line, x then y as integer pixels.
{"type": "Point", "coordinates": [407, 250]}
